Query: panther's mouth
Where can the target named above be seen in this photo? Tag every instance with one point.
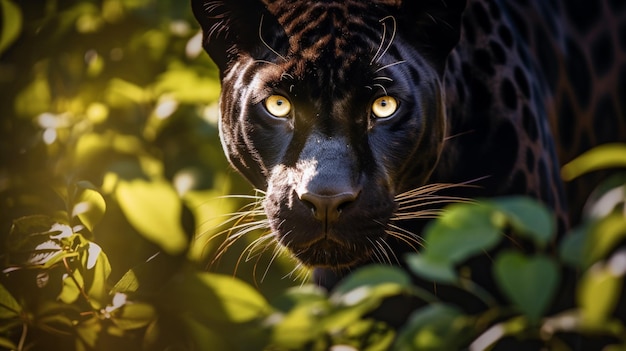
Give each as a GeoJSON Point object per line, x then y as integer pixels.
{"type": "Point", "coordinates": [330, 253]}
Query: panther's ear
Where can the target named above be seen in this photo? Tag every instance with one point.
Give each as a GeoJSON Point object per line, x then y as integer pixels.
{"type": "Point", "coordinates": [233, 27]}
{"type": "Point", "coordinates": [434, 24]}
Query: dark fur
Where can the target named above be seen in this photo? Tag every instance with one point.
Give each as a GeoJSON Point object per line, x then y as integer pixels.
{"type": "Point", "coordinates": [483, 112]}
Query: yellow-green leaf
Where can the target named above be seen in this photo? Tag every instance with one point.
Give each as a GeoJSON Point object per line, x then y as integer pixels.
{"type": "Point", "coordinates": [600, 157]}
{"type": "Point", "coordinates": [154, 209]}
{"type": "Point", "coordinates": [9, 308]}
{"type": "Point", "coordinates": [89, 205]}
{"type": "Point", "coordinates": [11, 23]}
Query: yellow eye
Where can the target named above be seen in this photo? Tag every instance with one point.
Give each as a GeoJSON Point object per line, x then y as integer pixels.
{"type": "Point", "coordinates": [384, 106]}
{"type": "Point", "coordinates": [278, 105]}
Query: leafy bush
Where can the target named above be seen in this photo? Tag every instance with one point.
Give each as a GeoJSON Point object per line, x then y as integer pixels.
{"type": "Point", "coordinates": [113, 187]}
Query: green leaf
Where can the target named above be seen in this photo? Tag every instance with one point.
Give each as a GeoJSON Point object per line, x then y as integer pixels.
{"type": "Point", "coordinates": [598, 294]}
{"type": "Point", "coordinates": [433, 327]}
{"type": "Point", "coordinates": [606, 234]}
{"type": "Point", "coordinates": [7, 344]}
{"type": "Point", "coordinates": [298, 327]}
{"type": "Point", "coordinates": [600, 157]}
{"type": "Point", "coordinates": [72, 285]}
{"type": "Point", "coordinates": [40, 241]}
{"type": "Point", "coordinates": [11, 23]}
{"type": "Point", "coordinates": [432, 268]}
{"type": "Point", "coordinates": [528, 217]}
{"type": "Point", "coordinates": [154, 209]}
{"type": "Point", "coordinates": [215, 298]}
{"type": "Point", "coordinates": [9, 308]}
{"type": "Point", "coordinates": [462, 231]}
{"type": "Point", "coordinates": [240, 301]}
{"type": "Point", "coordinates": [372, 276]}
{"type": "Point", "coordinates": [89, 205]}
{"type": "Point", "coordinates": [134, 315]}
{"type": "Point", "coordinates": [97, 264]}
{"type": "Point", "coordinates": [573, 247]}
{"type": "Point", "coordinates": [529, 282]}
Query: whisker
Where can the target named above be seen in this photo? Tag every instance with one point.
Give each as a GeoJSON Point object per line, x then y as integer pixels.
{"type": "Point", "coordinates": [459, 134]}
{"type": "Point", "coordinates": [383, 78]}
{"type": "Point", "coordinates": [380, 242]}
{"type": "Point", "coordinates": [389, 65]}
{"type": "Point", "coordinates": [393, 35]}
{"type": "Point", "coordinates": [265, 43]}
{"type": "Point", "coordinates": [382, 87]}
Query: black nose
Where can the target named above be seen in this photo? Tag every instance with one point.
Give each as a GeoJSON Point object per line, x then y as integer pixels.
{"type": "Point", "coordinates": [327, 208]}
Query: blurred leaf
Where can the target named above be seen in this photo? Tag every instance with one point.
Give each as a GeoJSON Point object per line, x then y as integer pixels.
{"type": "Point", "coordinates": [432, 268]}
{"type": "Point", "coordinates": [9, 308]}
{"type": "Point", "coordinates": [528, 217]}
{"type": "Point", "coordinates": [11, 23]}
{"type": "Point", "coordinates": [606, 234]}
{"type": "Point", "coordinates": [88, 332]}
{"type": "Point", "coordinates": [7, 344]}
{"type": "Point", "coordinates": [298, 327]}
{"type": "Point", "coordinates": [40, 241]}
{"type": "Point", "coordinates": [35, 98]}
{"type": "Point", "coordinates": [204, 337]}
{"type": "Point", "coordinates": [186, 86]}
{"type": "Point", "coordinates": [600, 157]}
{"type": "Point", "coordinates": [154, 209]}
{"type": "Point", "coordinates": [134, 315]}
{"type": "Point", "coordinates": [530, 282]}
{"type": "Point", "coordinates": [240, 301]}
{"type": "Point", "coordinates": [598, 294]}
{"type": "Point", "coordinates": [89, 205]}
{"type": "Point", "coordinates": [433, 327]}
{"type": "Point", "coordinates": [462, 231]}
{"type": "Point", "coordinates": [123, 94]}
{"type": "Point", "coordinates": [72, 286]}
{"type": "Point", "coordinates": [573, 246]}
{"type": "Point", "coordinates": [97, 264]}
{"type": "Point", "coordinates": [373, 277]}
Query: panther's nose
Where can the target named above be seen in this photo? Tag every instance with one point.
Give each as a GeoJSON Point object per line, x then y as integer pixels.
{"type": "Point", "coordinates": [327, 208]}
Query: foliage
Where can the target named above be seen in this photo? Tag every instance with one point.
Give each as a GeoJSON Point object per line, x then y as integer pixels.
{"type": "Point", "coordinates": [113, 185]}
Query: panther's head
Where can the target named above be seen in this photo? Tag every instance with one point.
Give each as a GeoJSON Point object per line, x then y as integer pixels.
{"type": "Point", "coordinates": [333, 109]}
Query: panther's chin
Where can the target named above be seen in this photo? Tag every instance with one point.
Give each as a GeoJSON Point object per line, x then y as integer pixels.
{"type": "Point", "coordinates": [330, 254]}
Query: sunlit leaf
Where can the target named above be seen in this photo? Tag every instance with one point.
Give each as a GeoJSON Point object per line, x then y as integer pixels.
{"type": "Point", "coordinates": [154, 209]}
{"type": "Point", "coordinates": [530, 282]}
{"type": "Point", "coordinates": [186, 85]}
{"type": "Point", "coordinates": [371, 276]}
{"type": "Point", "coordinates": [89, 205]}
{"type": "Point", "coordinates": [11, 23]}
{"type": "Point", "coordinates": [72, 286]}
{"type": "Point", "coordinates": [606, 234]}
{"type": "Point", "coordinates": [600, 157]}
{"type": "Point", "coordinates": [7, 344]}
{"type": "Point", "coordinates": [99, 268]}
{"type": "Point", "coordinates": [298, 327]}
{"type": "Point", "coordinates": [240, 301]}
{"type": "Point", "coordinates": [88, 332]}
{"type": "Point", "coordinates": [35, 99]}
{"type": "Point", "coordinates": [9, 308]}
{"type": "Point", "coordinates": [598, 294]}
{"type": "Point", "coordinates": [134, 315]}
{"type": "Point", "coordinates": [39, 241]}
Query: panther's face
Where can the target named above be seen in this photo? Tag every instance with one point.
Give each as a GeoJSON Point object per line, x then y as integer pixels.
{"type": "Point", "coordinates": [331, 110]}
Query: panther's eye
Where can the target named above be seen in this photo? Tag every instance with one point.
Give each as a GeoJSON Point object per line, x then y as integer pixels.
{"type": "Point", "coordinates": [384, 106]}
{"type": "Point", "coordinates": [278, 105]}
